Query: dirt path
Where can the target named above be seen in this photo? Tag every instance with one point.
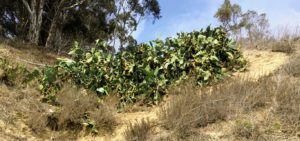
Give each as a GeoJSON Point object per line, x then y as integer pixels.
{"type": "Point", "coordinates": [261, 63]}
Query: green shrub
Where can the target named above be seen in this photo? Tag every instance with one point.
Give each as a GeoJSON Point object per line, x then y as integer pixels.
{"type": "Point", "coordinates": [146, 70]}
{"type": "Point", "coordinates": [12, 75]}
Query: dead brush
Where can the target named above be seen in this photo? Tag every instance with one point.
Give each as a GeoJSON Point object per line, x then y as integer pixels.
{"type": "Point", "coordinates": [245, 95]}
{"type": "Point", "coordinates": [103, 118]}
{"type": "Point", "coordinates": [74, 105]}
{"type": "Point", "coordinates": [288, 105]}
{"type": "Point", "coordinates": [138, 131]}
{"type": "Point", "coordinates": [190, 109]}
{"type": "Point", "coordinates": [80, 108]}
{"type": "Point", "coordinates": [247, 129]}
{"type": "Point", "coordinates": [292, 68]}
{"type": "Point", "coordinates": [288, 96]}
{"type": "Point", "coordinates": [285, 39]}
{"type": "Point", "coordinates": [38, 123]}
{"type": "Point", "coordinates": [77, 111]}
{"type": "Point", "coordinates": [284, 45]}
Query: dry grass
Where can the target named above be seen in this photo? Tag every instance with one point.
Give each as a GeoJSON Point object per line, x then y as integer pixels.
{"type": "Point", "coordinates": [285, 39]}
{"type": "Point", "coordinates": [288, 96]}
{"type": "Point", "coordinates": [284, 45]}
{"type": "Point", "coordinates": [74, 106]}
{"type": "Point", "coordinates": [16, 106]}
{"type": "Point", "coordinates": [78, 111]}
{"type": "Point", "coordinates": [26, 55]}
{"type": "Point", "coordinates": [139, 131]}
{"type": "Point", "coordinates": [292, 68]}
{"type": "Point", "coordinates": [191, 107]}
{"type": "Point", "coordinates": [288, 110]}
{"type": "Point", "coordinates": [190, 110]}
{"type": "Point", "coordinates": [80, 107]}
{"type": "Point", "coordinates": [38, 123]}
{"type": "Point", "coordinates": [246, 129]}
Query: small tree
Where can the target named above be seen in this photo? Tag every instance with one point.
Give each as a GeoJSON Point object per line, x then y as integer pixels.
{"type": "Point", "coordinates": [233, 20]}
{"type": "Point", "coordinates": [224, 14]}
{"type": "Point", "coordinates": [256, 25]}
{"type": "Point", "coordinates": [230, 17]}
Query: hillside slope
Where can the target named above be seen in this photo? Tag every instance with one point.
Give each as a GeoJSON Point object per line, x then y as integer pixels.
{"type": "Point", "coordinates": [14, 113]}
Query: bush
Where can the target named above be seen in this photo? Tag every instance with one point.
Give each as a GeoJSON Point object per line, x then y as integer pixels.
{"type": "Point", "coordinates": [12, 75]}
{"type": "Point", "coordinates": [145, 71]}
{"type": "Point", "coordinates": [286, 46]}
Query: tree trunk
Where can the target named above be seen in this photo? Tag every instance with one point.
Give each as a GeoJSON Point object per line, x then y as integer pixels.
{"type": "Point", "coordinates": [53, 30]}
{"type": "Point", "coordinates": [1, 31]}
{"type": "Point", "coordinates": [54, 26]}
{"type": "Point", "coordinates": [36, 17]}
{"type": "Point", "coordinates": [39, 20]}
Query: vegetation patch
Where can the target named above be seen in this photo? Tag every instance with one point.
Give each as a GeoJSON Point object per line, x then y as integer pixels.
{"type": "Point", "coordinates": [145, 71]}
{"type": "Point", "coordinates": [245, 129]}
{"type": "Point", "coordinates": [76, 112]}
{"type": "Point", "coordinates": [190, 109]}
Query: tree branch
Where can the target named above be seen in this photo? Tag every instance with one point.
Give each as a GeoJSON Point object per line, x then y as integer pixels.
{"type": "Point", "coordinates": [31, 63]}
{"type": "Point", "coordinates": [27, 6]}
{"type": "Point", "coordinates": [74, 5]}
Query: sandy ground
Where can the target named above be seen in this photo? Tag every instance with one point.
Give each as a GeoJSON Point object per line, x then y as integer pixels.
{"type": "Point", "coordinates": [261, 63]}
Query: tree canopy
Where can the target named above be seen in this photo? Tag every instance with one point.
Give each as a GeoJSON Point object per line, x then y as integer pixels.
{"type": "Point", "coordinates": [45, 22]}
{"type": "Point", "coordinates": [233, 20]}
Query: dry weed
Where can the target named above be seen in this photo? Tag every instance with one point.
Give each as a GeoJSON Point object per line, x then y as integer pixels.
{"type": "Point", "coordinates": [244, 128]}
{"type": "Point", "coordinates": [285, 45]}
{"type": "Point", "coordinates": [139, 131]}
{"type": "Point", "coordinates": [77, 111]}
{"type": "Point", "coordinates": [288, 105]}
{"type": "Point", "coordinates": [292, 68]}
{"type": "Point", "coordinates": [190, 110]}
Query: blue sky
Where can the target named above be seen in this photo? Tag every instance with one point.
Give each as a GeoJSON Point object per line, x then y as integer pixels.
{"type": "Point", "coordinates": [189, 15]}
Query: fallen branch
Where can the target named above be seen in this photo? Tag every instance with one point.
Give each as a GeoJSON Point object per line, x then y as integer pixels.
{"type": "Point", "coordinates": [32, 63]}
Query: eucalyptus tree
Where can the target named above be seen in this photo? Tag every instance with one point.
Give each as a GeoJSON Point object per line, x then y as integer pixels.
{"type": "Point", "coordinates": [35, 9]}
{"type": "Point", "coordinates": [45, 21]}
{"type": "Point", "coordinates": [256, 25]}
{"type": "Point", "coordinates": [234, 21]}
{"type": "Point", "coordinates": [230, 16]}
